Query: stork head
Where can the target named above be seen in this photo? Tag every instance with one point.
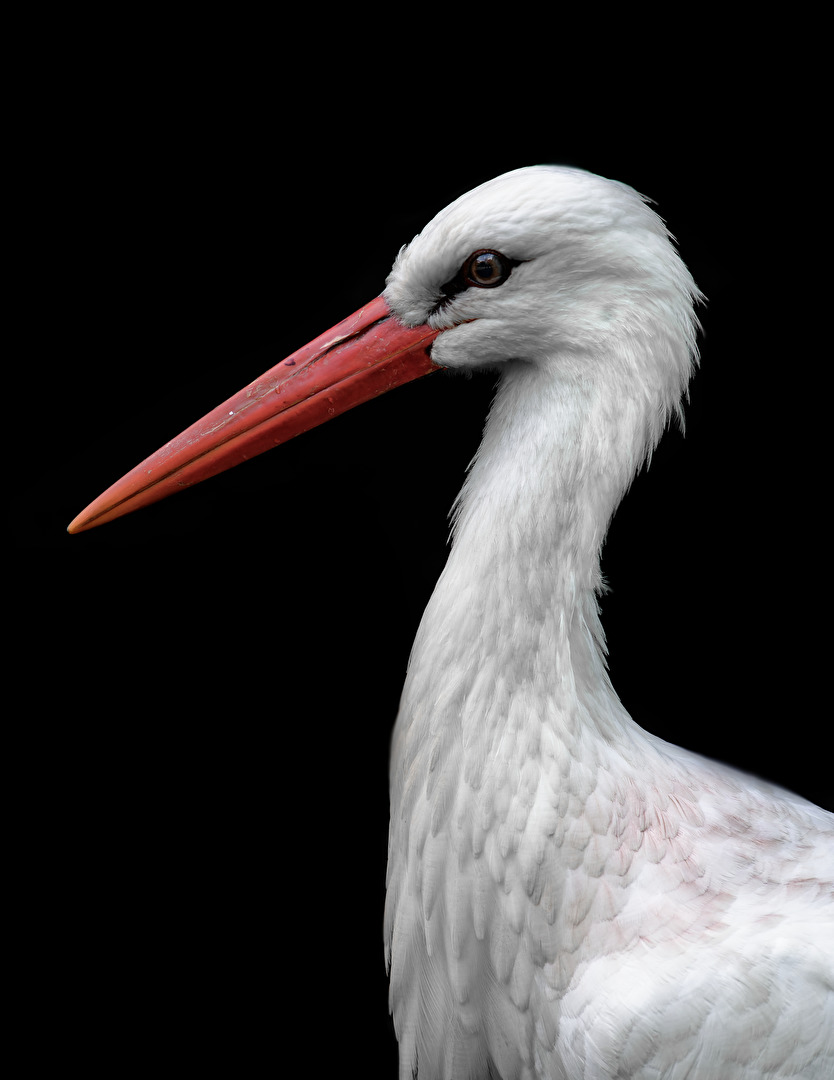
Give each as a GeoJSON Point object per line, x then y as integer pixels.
{"type": "Point", "coordinates": [544, 266]}
{"type": "Point", "coordinates": [556, 267]}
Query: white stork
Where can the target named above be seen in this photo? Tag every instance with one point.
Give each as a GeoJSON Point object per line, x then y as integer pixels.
{"type": "Point", "coordinates": [568, 896]}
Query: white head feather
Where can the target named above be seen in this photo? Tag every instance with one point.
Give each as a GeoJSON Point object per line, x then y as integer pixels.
{"type": "Point", "coordinates": [597, 273]}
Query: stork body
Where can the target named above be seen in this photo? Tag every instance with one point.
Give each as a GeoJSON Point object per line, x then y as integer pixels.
{"type": "Point", "coordinates": [569, 897]}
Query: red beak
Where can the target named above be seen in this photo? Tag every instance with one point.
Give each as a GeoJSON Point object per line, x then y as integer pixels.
{"type": "Point", "coordinates": [360, 358]}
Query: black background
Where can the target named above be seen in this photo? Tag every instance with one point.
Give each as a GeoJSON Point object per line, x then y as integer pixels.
{"type": "Point", "coordinates": [209, 685]}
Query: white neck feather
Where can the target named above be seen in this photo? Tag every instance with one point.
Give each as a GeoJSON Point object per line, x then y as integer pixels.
{"type": "Point", "coordinates": [516, 602]}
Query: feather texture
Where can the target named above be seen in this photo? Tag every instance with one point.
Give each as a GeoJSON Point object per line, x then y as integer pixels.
{"type": "Point", "coordinates": [569, 896]}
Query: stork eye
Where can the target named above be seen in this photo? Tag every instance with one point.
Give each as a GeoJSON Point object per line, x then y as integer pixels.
{"type": "Point", "coordinates": [484, 269]}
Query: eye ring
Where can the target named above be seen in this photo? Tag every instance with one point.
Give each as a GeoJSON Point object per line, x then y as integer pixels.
{"type": "Point", "coordinates": [483, 269]}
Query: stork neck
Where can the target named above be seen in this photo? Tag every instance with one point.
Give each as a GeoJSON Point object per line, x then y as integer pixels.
{"type": "Point", "coordinates": [555, 461]}
{"type": "Point", "coordinates": [516, 602]}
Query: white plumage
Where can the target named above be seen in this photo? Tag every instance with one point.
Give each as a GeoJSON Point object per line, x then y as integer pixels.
{"type": "Point", "coordinates": [569, 896]}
